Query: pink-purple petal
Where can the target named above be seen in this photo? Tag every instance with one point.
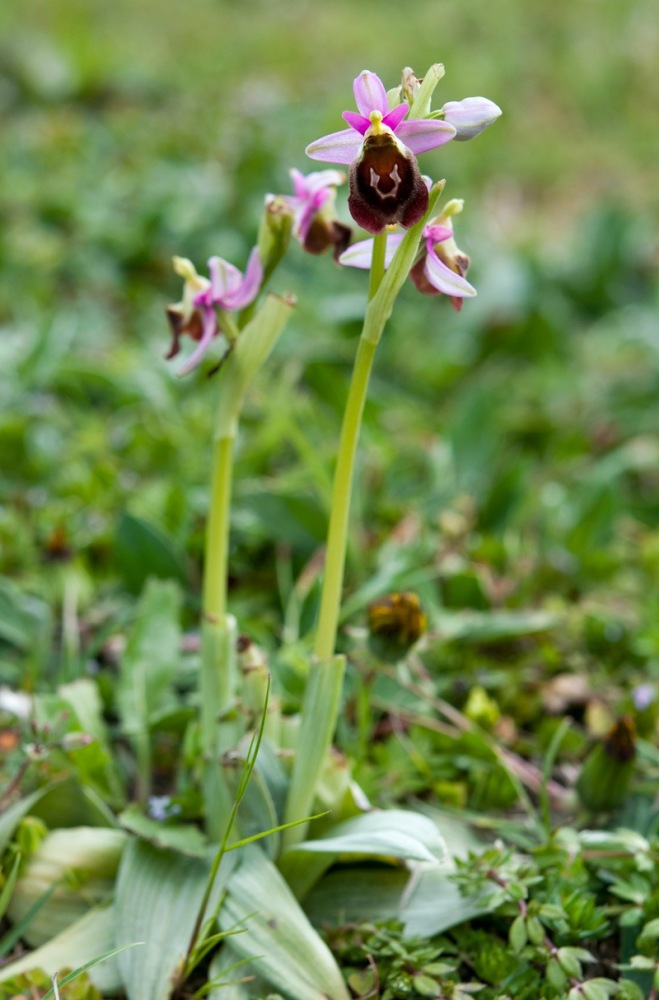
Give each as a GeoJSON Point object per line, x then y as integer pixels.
{"type": "Point", "coordinates": [323, 180]}
{"type": "Point", "coordinates": [356, 121]}
{"type": "Point", "coordinates": [250, 284]}
{"type": "Point", "coordinates": [395, 117]}
{"type": "Point", "coordinates": [225, 278]}
{"type": "Point", "coordinates": [445, 280]}
{"type": "Point", "coordinates": [338, 147]}
{"type": "Point", "coordinates": [437, 234]}
{"type": "Point", "coordinates": [209, 331]}
{"type": "Point", "coordinates": [307, 210]}
{"type": "Point", "coordinates": [361, 254]}
{"type": "Point", "coordinates": [370, 94]}
{"type": "Point", "coordinates": [422, 134]}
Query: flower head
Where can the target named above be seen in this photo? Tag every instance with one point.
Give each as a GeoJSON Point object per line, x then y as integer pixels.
{"type": "Point", "coordinates": [315, 225]}
{"type": "Point", "coordinates": [227, 290]}
{"type": "Point", "coordinates": [380, 146]}
{"type": "Point", "coordinates": [441, 266]}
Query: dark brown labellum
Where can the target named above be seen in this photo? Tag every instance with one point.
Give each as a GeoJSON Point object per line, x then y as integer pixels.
{"type": "Point", "coordinates": [178, 325]}
{"type": "Point", "coordinates": [385, 185]}
{"type": "Point", "coordinates": [324, 233]}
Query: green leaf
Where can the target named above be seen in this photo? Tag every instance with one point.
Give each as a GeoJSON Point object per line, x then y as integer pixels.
{"type": "Point", "coordinates": [82, 942]}
{"type": "Point", "coordinates": [141, 550]}
{"type": "Point", "coordinates": [392, 835]}
{"type": "Point", "coordinates": [158, 897]}
{"type": "Point", "coordinates": [493, 626]}
{"type": "Point", "coordinates": [150, 660]}
{"type": "Point", "coordinates": [517, 934]}
{"type": "Point", "coordinates": [8, 887]}
{"type": "Point", "coordinates": [184, 838]}
{"type": "Point", "coordinates": [278, 938]}
{"type": "Point", "coordinates": [60, 804]}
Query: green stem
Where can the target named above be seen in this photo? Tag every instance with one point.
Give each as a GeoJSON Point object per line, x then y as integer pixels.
{"type": "Point", "coordinates": [377, 264]}
{"type": "Point", "coordinates": [217, 532]}
{"type": "Point", "coordinates": [337, 537]}
{"type": "Point", "coordinates": [218, 638]}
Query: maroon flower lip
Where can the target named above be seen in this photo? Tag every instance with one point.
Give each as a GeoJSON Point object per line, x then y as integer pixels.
{"type": "Point", "coordinates": [385, 185]}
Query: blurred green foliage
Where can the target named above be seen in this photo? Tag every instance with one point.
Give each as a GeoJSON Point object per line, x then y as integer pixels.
{"type": "Point", "coordinates": [512, 448]}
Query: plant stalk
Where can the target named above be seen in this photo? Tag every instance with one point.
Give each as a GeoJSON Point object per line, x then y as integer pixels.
{"type": "Point", "coordinates": [337, 537]}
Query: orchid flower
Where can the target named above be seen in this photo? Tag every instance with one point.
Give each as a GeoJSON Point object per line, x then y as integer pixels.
{"type": "Point", "coordinates": [315, 225]}
{"type": "Point", "coordinates": [385, 183]}
{"type": "Point", "coordinates": [227, 289]}
{"type": "Point", "coordinates": [441, 268]}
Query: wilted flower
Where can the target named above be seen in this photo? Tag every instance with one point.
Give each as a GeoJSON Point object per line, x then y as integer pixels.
{"type": "Point", "coordinates": [385, 184]}
{"type": "Point", "coordinates": [395, 623]}
{"type": "Point", "coordinates": [196, 314]}
{"type": "Point", "coordinates": [608, 769]}
{"type": "Point", "coordinates": [315, 225]}
{"type": "Point", "coordinates": [441, 267]}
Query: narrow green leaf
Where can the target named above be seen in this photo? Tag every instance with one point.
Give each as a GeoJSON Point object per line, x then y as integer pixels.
{"type": "Point", "coordinates": [8, 887]}
{"type": "Point", "coordinates": [320, 709]}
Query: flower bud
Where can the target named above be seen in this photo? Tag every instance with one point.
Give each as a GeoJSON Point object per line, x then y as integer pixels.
{"type": "Point", "coordinates": [470, 117]}
{"type": "Point", "coordinates": [274, 232]}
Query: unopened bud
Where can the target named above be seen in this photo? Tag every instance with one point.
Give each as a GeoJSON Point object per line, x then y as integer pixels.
{"type": "Point", "coordinates": [274, 232]}
{"type": "Point", "coordinates": [470, 117]}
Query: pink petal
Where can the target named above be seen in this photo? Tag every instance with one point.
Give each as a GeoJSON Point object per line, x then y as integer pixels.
{"type": "Point", "coordinates": [437, 234]}
{"type": "Point", "coordinates": [361, 254]}
{"type": "Point", "coordinates": [338, 147]}
{"type": "Point", "coordinates": [370, 94]}
{"type": "Point", "coordinates": [299, 183]}
{"type": "Point", "coordinates": [307, 210]}
{"type": "Point", "coordinates": [210, 329]}
{"type": "Point", "coordinates": [445, 280]}
{"type": "Point", "coordinates": [250, 284]}
{"type": "Point", "coordinates": [358, 122]}
{"type": "Point", "coordinates": [322, 180]}
{"type": "Point", "coordinates": [225, 278]}
{"type": "Point", "coordinates": [422, 134]}
{"type": "Point", "coordinates": [395, 117]}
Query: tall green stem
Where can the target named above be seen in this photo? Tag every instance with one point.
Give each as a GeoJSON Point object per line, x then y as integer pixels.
{"type": "Point", "coordinates": [337, 537]}
{"type": "Point", "coordinates": [218, 640]}
{"type": "Point", "coordinates": [217, 532]}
